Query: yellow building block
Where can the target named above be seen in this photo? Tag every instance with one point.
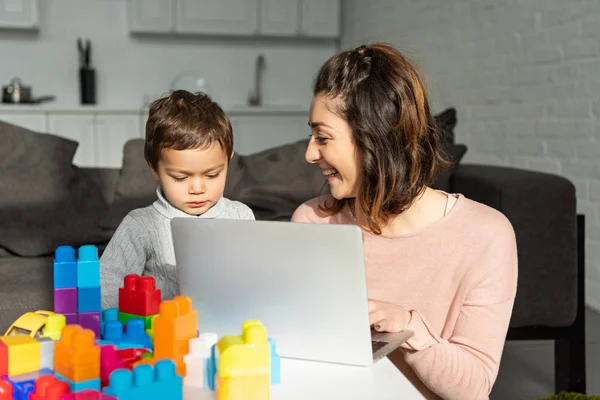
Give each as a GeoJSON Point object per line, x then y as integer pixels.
{"type": "Point", "coordinates": [23, 354]}
{"type": "Point", "coordinates": [244, 364]}
{"type": "Point", "coordinates": [55, 323]}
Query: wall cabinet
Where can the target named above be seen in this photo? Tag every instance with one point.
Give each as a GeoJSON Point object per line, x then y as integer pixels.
{"type": "Point", "coordinates": [151, 16]}
{"type": "Point", "coordinates": [291, 18]}
{"type": "Point", "coordinates": [19, 14]}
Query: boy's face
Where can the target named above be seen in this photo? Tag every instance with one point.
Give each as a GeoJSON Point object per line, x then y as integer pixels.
{"type": "Point", "coordinates": [193, 180]}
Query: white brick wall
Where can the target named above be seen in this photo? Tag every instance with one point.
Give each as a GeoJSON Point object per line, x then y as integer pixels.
{"type": "Point", "coordinates": [524, 76]}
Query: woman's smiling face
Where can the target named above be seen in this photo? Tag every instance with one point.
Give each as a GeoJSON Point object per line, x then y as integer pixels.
{"type": "Point", "coordinates": [332, 147]}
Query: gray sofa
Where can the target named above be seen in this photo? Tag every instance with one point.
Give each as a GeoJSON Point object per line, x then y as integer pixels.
{"type": "Point", "coordinates": [541, 207]}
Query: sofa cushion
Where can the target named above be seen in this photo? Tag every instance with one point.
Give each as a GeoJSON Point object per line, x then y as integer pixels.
{"type": "Point", "coordinates": [136, 186]}
{"type": "Point", "coordinates": [45, 201]}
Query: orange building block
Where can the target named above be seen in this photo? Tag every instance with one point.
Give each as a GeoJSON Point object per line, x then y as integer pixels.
{"type": "Point", "coordinates": [23, 354]}
{"type": "Point", "coordinates": [3, 359]}
{"type": "Point", "coordinates": [174, 326]}
{"type": "Point", "coordinates": [76, 355]}
{"type": "Point", "coordinates": [6, 390]}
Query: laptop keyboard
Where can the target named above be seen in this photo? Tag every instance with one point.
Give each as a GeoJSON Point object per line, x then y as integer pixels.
{"type": "Point", "coordinates": [377, 345]}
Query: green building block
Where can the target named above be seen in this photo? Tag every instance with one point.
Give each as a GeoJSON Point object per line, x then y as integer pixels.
{"type": "Point", "coordinates": [124, 317]}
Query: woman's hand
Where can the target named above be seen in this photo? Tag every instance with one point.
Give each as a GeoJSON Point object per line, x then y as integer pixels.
{"type": "Point", "coordinates": [388, 317]}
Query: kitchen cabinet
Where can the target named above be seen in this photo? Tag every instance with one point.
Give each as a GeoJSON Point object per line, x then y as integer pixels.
{"type": "Point", "coordinates": [320, 18]}
{"type": "Point", "coordinates": [111, 132]}
{"type": "Point", "coordinates": [19, 14]}
{"type": "Point", "coordinates": [217, 17]}
{"type": "Point", "coordinates": [32, 121]}
{"type": "Point", "coordinates": [269, 18]}
{"type": "Point", "coordinates": [279, 17]}
{"type": "Point", "coordinates": [151, 16]}
{"type": "Point", "coordinates": [77, 127]}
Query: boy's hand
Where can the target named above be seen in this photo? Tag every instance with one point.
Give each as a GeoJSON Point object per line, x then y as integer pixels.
{"type": "Point", "coordinates": [388, 317]}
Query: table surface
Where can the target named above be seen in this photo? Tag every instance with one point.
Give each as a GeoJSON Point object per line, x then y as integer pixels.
{"type": "Point", "coordinates": [301, 380]}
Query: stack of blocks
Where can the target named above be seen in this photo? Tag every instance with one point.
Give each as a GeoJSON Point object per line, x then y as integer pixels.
{"type": "Point", "coordinates": [138, 299]}
{"type": "Point", "coordinates": [77, 358]}
{"type": "Point", "coordinates": [77, 286]}
{"type": "Point", "coordinates": [244, 364]}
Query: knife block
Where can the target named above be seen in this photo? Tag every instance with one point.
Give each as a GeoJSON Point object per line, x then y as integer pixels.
{"type": "Point", "coordinates": [87, 85]}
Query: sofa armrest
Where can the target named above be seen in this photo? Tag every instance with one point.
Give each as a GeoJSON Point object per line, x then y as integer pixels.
{"type": "Point", "coordinates": [543, 211]}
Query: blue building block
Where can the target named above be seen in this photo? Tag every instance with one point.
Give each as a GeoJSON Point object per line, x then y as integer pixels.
{"type": "Point", "coordinates": [135, 333]}
{"type": "Point", "coordinates": [119, 345]}
{"type": "Point", "coordinates": [275, 363]}
{"type": "Point", "coordinates": [88, 267]}
{"type": "Point", "coordinates": [89, 299]}
{"type": "Point", "coordinates": [146, 382]}
{"type": "Point", "coordinates": [211, 368]}
{"type": "Point", "coordinates": [76, 387]}
{"type": "Point", "coordinates": [65, 268]}
{"type": "Point", "coordinates": [23, 384]}
{"type": "Point", "coordinates": [110, 314]}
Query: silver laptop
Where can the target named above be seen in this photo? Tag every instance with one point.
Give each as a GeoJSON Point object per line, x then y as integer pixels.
{"type": "Point", "coordinates": [304, 282]}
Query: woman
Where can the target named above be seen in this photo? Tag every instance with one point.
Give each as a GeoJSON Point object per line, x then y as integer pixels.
{"type": "Point", "coordinates": [438, 264]}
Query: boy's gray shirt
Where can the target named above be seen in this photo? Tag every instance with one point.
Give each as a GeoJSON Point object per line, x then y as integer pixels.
{"type": "Point", "coordinates": [143, 245]}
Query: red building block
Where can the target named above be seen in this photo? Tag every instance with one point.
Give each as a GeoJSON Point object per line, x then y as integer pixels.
{"type": "Point", "coordinates": [139, 296]}
{"type": "Point", "coordinates": [130, 356]}
{"type": "Point", "coordinates": [88, 394]}
{"type": "Point", "coordinates": [6, 391]}
{"type": "Point", "coordinates": [3, 359]}
{"type": "Point", "coordinates": [49, 387]}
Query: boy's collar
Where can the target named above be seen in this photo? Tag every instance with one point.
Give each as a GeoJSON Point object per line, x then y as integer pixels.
{"type": "Point", "coordinates": [168, 210]}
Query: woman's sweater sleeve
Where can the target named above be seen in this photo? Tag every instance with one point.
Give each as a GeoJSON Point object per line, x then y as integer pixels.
{"type": "Point", "coordinates": [466, 365]}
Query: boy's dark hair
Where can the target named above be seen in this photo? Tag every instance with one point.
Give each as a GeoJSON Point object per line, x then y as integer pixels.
{"type": "Point", "coordinates": [183, 121]}
{"type": "Point", "coordinates": [382, 97]}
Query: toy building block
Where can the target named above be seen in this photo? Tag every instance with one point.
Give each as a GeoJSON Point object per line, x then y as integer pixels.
{"type": "Point", "coordinates": [124, 317]}
{"type": "Point", "coordinates": [81, 385]}
{"type": "Point", "coordinates": [150, 330]}
{"type": "Point", "coordinates": [275, 363]}
{"type": "Point", "coordinates": [175, 325]}
{"type": "Point", "coordinates": [139, 296]}
{"type": "Point", "coordinates": [211, 369]}
{"type": "Point", "coordinates": [110, 314]}
{"type": "Point", "coordinates": [76, 356]}
{"type": "Point", "coordinates": [54, 326]}
{"type": "Point", "coordinates": [65, 300]}
{"type": "Point", "coordinates": [198, 359]}
{"type": "Point", "coordinates": [23, 384]}
{"type": "Point", "coordinates": [3, 359]}
{"type": "Point", "coordinates": [109, 361]}
{"type": "Point", "coordinates": [134, 333]}
{"type": "Point", "coordinates": [91, 321]}
{"type": "Point", "coordinates": [71, 318]}
{"type": "Point", "coordinates": [65, 268]}
{"type": "Point", "coordinates": [132, 356]}
{"type": "Point", "coordinates": [88, 394]}
{"type": "Point", "coordinates": [89, 299]}
{"type": "Point", "coordinates": [244, 364]}
{"type": "Point", "coordinates": [23, 354]}
{"type": "Point", "coordinates": [49, 387]}
{"type": "Point", "coordinates": [6, 391]}
{"type": "Point", "coordinates": [146, 382]}
{"type": "Point", "coordinates": [46, 353]}
{"type": "Point", "coordinates": [88, 267]}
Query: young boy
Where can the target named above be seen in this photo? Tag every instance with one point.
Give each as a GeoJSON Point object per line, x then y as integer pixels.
{"type": "Point", "coordinates": [188, 146]}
